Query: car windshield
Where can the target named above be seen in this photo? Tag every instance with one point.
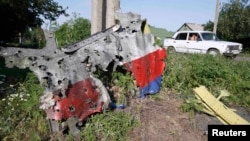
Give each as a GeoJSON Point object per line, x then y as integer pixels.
{"type": "Point", "coordinates": [209, 36]}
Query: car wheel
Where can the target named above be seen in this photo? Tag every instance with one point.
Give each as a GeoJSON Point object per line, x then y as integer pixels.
{"type": "Point", "coordinates": [171, 50]}
{"type": "Point", "coordinates": [213, 52]}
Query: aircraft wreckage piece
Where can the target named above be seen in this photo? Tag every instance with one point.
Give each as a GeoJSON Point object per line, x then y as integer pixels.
{"type": "Point", "coordinates": [72, 91]}
{"type": "Point", "coordinates": [216, 108]}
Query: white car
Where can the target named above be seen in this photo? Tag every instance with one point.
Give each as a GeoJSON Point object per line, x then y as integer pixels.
{"type": "Point", "coordinates": [201, 42]}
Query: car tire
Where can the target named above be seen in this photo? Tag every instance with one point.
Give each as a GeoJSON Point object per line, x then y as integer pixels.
{"type": "Point", "coordinates": [171, 50]}
{"type": "Point", "coordinates": [213, 52]}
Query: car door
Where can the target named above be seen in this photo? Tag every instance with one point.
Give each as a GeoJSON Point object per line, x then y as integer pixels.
{"type": "Point", "coordinates": [180, 41]}
{"type": "Point", "coordinates": [194, 44]}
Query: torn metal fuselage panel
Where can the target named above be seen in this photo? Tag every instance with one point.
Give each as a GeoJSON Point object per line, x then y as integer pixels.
{"type": "Point", "coordinates": [71, 89]}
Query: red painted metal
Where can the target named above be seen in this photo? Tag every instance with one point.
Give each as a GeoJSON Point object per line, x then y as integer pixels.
{"type": "Point", "coordinates": [147, 68]}
{"type": "Point", "coordinates": [82, 100]}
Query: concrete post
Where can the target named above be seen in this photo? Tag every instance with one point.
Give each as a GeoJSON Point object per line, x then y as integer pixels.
{"type": "Point", "coordinates": [216, 17]}
{"type": "Point", "coordinates": [103, 14]}
{"type": "Point", "coordinates": [112, 6]}
{"type": "Point", "coordinates": [96, 16]}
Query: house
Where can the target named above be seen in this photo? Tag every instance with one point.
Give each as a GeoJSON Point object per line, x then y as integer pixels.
{"type": "Point", "coordinates": [190, 27]}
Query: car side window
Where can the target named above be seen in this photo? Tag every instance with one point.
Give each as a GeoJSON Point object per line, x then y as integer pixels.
{"type": "Point", "coordinates": [181, 36]}
{"type": "Point", "coordinates": [193, 36]}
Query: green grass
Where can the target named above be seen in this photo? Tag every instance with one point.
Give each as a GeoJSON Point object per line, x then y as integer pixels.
{"type": "Point", "coordinates": [244, 55]}
{"type": "Point", "coordinates": [185, 72]}
{"type": "Point", "coordinates": [111, 126]}
{"type": "Point", "coordinates": [20, 118]}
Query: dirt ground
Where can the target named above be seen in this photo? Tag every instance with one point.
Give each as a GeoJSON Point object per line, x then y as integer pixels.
{"type": "Point", "coordinates": [163, 120]}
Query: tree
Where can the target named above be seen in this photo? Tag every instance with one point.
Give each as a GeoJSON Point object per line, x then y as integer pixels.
{"type": "Point", "coordinates": [20, 15]}
{"type": "Point", "coordinates": [234, 20]}
{"type": "Point", "coordinates": [73, 30]}
{"type": "Point", "coordinates": [209, 26]}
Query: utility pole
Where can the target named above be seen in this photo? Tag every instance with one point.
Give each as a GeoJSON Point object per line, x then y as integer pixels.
{"type": "Point", "coordinates": [216, 15]}
{"type": "Point", "coordinates": [96, 16]}
{"type": "Point", "coordinates": [103, 14]}
{"type": "Point", "coordinates": [112, 7]}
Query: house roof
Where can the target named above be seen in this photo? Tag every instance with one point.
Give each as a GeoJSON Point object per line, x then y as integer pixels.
{"type": "Point", "coordinates": [191, 26]}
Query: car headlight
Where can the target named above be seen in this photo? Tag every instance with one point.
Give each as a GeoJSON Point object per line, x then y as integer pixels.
{"type": "Point", "coordinates": [227, 49]}
{"type": "Point", "coordinates": [241, 47]}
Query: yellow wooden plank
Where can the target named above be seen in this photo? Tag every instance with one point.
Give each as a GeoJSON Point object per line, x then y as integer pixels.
{"type": "Point", "coordinates": [223, 112]}
{"type": "Point", "coordinates": [209, 111]}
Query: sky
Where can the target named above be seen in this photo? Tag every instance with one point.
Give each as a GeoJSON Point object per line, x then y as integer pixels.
{"type": "Point", "coordinates": [168, 14]}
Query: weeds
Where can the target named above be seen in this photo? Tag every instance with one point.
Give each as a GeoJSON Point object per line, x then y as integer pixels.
{"type": "Point", "coordinates": [185, 72]}
{"type": "Point", "coordinates": [110, 126]}
{"type": "Point", "coordinates": [20, 118]}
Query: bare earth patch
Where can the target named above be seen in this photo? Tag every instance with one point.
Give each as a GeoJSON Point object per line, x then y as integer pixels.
{"type": "Point", "coordinates": [162, 120]}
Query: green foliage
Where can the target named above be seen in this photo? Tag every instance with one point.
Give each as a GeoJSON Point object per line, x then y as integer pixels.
{"type": "Point", "coordinates": [18, 16]}
{"type": "Point", "coordinates": [185, 72]}
{"type": "Point", "coordinates": [192, 106]}
{"type": "Point", "coordinates": [73, 30]}
{"type": "Point", "coordinates": [123, 80]}
{"type": "Point", "coordinates": [34, 38]}
{"type": "Point", "coordinates": [234, 20]}
{"type": "Point", "coordinates": [35, 89]}
{"type": "Point", "coordinates": [125, 84]}
{"type": "Point", "coordinates": [20, 117]}
{"type": "Point", "coordinates": [110, 126]}
{"type": "Point", "coordinates": [158, 42]}
{"type": "Point", "coordinates": [233, 23]}
{"type": "Point", "coordinates": [209, 26]}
